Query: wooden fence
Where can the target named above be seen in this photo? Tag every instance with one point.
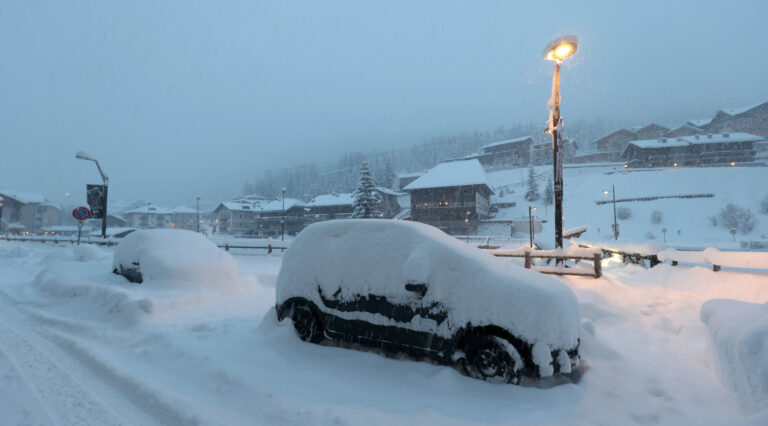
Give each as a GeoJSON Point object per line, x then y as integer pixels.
{"type": "Point", "coordinates": [594, 255]}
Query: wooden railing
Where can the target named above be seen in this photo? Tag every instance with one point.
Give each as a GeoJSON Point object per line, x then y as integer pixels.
{"type": "Point", "coordinates": [594, 255]}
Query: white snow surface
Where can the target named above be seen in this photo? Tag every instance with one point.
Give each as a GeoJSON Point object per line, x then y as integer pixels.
{"type": "Point", "coordinates": [176, 256]}
{"type": "Point", "coordinates": [713, 256]}
{"type": "Point", "coordinates": [361, 257]}
{"type": "Point", "coordinates": [739, 347]}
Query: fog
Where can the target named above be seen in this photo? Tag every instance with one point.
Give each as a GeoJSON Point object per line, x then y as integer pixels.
{"type": "Point", "coordinates": [180, 99]}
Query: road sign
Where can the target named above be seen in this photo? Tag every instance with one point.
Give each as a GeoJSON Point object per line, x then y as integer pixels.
{"type": "Point", "coordinates": [81, 213]}
{"type": "Point", "coordinates": [733, 232]}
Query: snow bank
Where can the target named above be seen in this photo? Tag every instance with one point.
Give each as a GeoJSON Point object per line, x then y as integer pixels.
{"type": "Point", "coordinates": [713, 256]}
{"type": "Point", "coordinates": [175, 255]}
{"type": "Point", "coordinates": [345, 258]}
{"type": "Point", "coordinates": [739, 346]}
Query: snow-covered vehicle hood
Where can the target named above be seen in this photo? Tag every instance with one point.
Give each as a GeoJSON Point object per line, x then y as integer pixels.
{"type": "Point", "coordinates": [347, 258]}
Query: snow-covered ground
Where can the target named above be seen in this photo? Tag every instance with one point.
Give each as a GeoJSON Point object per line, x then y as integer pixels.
{"type": "Point", "coordinates": [80, 345]}
{"type": "Point", "coordinates": [686, 220]}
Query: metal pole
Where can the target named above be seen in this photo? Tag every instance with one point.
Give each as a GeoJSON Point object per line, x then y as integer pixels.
{"type": "Point", "coordinates": [557, 158]}
{"type": "Point", "coordinates": [282, 221]}
{"type": "Point", "coordinates": [106, 193]}
{"type": "Point", "coordinates": [197, 213]}
{"type": "Point", "coordinates": [148, 204]}
{"type": "Point", "coordinates": [530, 225]}
{"type": "Point", "coordinates": [615, 226]}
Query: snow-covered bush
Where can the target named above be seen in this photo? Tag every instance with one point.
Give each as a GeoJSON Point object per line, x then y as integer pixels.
{"type": "Point", "coordinates": [656, 217]}
{"type": "Point", "coordinates": [650, 236]}
{"type": "Point", "coordinates": [738, 218]}
{"type": "Point", "coordinates": [623, 213]}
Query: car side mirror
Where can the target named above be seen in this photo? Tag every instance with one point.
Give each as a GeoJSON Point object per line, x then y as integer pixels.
{"type": "Point", "coordinates": [419, 288]}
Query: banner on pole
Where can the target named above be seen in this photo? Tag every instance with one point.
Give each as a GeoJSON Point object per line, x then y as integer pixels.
{"type": "Point", "coordinates": [97, 200]}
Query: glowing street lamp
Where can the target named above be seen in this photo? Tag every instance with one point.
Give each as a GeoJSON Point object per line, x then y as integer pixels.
{"type": "Point", "coordinates": [615, 224]}
{"type": "Point", "coordinates": [557, 51]}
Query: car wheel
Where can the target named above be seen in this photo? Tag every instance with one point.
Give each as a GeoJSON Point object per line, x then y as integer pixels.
{"type": "Point", "coordinates": [492, 359]}
{"type": "Point", "coordinates": [306, 323]}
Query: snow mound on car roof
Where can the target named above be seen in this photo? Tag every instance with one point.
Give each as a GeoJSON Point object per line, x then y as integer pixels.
{"type": "Point", "coordinates": [345, 258]}
{"type": "Point", "coordinates": [174, 256]}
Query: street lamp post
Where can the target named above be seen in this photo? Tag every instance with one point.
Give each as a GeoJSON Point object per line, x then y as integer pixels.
{"type": "Point", "coordinates": [466, 220]}
{"type": "Point", "coordinates": [148, 204]}
{"type": "Point", "coordinates": [530, 223]}
{"type": "Point", "coordinates": [81, 155]}
{"type": "Point", "coordinates": [615, 224]}
{"type": "Point", "coordinates": [197, 213]}
{"type": "Point", "coordinates": [556, 51]}
{"type": "Point", "coordinates": [282, 221]}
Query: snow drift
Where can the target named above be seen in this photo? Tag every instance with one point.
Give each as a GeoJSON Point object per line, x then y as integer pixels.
{"type": "Point", "coordinates": [378, 257]}
{"type": "Point", "coordinates": [739, 337]}
{"type": "Point", "coordinates": [175, 255]}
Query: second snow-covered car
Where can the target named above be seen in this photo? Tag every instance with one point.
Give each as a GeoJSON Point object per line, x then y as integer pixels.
{"type": "Point", "coordinates": [406, 287]}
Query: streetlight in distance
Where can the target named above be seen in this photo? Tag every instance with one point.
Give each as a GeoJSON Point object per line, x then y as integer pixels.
{"type": "Point", "coordinates": [82, 155]}
{"type": "Point", "coordinates": [557, 51]}
{"type": "Point", "coordinates": [530, 223]}
{"type": "Point", "coordinates": [197, 213]}
{"type": "Point", "coordinates": [615, 225]}
{"type": "Point", "coordinates": [282, 221]}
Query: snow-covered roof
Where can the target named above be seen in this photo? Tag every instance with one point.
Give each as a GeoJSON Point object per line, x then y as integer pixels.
{"type": "Point", "coordinates": [332, 200]}
{"type": "Point", "coordinates": [607, 135]}
{"type": "Point", "coordinates": [409, 174]}
{"type": "Point", "coordinates": [684, 125]}
{"type": "Point", "coordinates": [516, 140]}
{"type": "Point", "coordinates": [737, 111]}
{"type": "Point", "coordinates": [277, 205]}
{"type": "Point", "coordinates": [696, 139]}
{"type": "Point", "coordinates": [54, 205]}
{"type": "Point", "coordinates": [388, 191]}
{"type": "Point", "coordinates": [455, 173]}
{"type": "Point", "coordinates": [234, 206]}
{"type": "Point", "coordinates": [23, 197]}
{"type": "Point", "coordinates": [700, 122]}
{"type": "Point", "coordinates": [152, 210]}
{"type": "Point", "coordinates": [183, 209]}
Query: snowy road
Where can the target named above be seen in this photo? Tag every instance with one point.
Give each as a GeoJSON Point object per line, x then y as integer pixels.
{"type": "Point", "coordinates": [78, 345]}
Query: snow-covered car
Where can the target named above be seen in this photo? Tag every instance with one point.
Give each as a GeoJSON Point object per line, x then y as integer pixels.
{"type": "Point", "coordinates": [407, 287]}
{"type": "Point", "coordinates": [172, 254]}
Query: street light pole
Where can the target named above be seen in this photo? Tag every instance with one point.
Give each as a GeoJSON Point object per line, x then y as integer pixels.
{"type": "Point", "coordinates": [83, 156]}
{"type": "Point", "coordinates": [615, 224]}
{"type": "Point", "coordinates": [530, 223]}
{"type": "Point", "coordinates": [197, 213]}
{"type": "Point", "coordinates": [148, 204]}
{"type": "Point", "coordinates": [556, 51]}
{"type": "Point", "coordinates": [282, 221]}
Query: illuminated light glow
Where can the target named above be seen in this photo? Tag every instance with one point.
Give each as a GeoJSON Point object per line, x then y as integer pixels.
{"type": "Point", "coordinates": [732, 163]}
{"type": "Point", "coordinates": [675, 164]}
{"type": "Point", "coordinates": [561, 48]}
{"type": "Point", "coordinates": [626, 165]}
{"type": "Point", "coordinates": [606, 192]}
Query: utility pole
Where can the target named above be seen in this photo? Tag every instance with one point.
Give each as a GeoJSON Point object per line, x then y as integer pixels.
{"type": "Point", "coordinates": [197, 213]}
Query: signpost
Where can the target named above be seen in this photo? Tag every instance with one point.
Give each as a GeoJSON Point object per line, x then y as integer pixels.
{"type": "Point", "coordinates": [733, 232]}
{"type": "Point", "coordinates": [80, 213]}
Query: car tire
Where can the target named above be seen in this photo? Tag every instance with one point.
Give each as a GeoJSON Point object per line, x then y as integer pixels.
{"type": "Point", "coordinates": [307, 323]}
{"type": "Point", "coordinates": [492, 359]}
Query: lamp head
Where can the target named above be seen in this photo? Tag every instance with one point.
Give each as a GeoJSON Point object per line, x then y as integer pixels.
{"type": "Point", "coordinates": [561, 48]}
{"type": "Point", "coordinates": [82, 155]}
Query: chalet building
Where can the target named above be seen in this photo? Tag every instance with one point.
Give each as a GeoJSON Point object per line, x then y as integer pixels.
{"type": "Point", "coordinates": [330, 206]}
{"type": "Point", "coordinates": [752, 119]}
{"type": "Point", "coordinates": [149, 217]}
{"type": "Point", "coordinates": [722, 148]}
{"type": "Point", "coordinates": [25, 212]}
{"type": "Point", "coordinates": [542, 152]}
{"type": "Point", "coordinates": [390, 204]}
{"type": "Point", "coordinates": [274, 213]}
{"type": "Point", "coordinates": [611, 145]}
{"type": "Point", "coordinates": [686, 129]}
{"type": "Point", "coordinates": [649, 131]}
{"type": "Point", "coordinates": [235, 218]}
{"type": "Point", "coordinates": [184, 218]}
{"type": "Point", "coordinates": [453, 196]}
{"type": "Point", "coordinates": [503, 154]}
{"type": "Point", "coordinates": [403, 179]}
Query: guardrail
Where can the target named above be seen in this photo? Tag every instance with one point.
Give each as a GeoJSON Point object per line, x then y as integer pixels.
{"type": "Point", "coordinates": [57, 240]}
{"type": "Point", "coordinates": [269, 247]}
{"type": "Point", "coordinates": [577, 254]}
{"type": "Point", "coordinates": [717, 258]}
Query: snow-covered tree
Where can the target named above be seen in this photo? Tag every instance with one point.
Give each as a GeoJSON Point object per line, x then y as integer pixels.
{"type": "Point", "coordinates": [367, 201]}
{"type": "Point", "coordinates": [549, 193]}
{"type": "Point", "coordinates": [533, 188]}
{"type": "Point", "coordinates": [735, 217]}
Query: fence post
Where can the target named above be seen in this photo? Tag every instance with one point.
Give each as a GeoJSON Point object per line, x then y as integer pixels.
{"type": "Point", "coordinates": [226, 246]}
{"type": "Point", "coordinates": [715, 268]}
{"type": "Point", "coordinates": [269, 247]}
{"type": "Point", "coordinates": [674, 263]}
{"type": "Point", "coordinates": [598, 265]}
{"type": "Point", "coordinates": [527, 259]}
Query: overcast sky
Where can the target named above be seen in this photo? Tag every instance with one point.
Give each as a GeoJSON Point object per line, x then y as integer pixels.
{"type": "Point", "coordinates": [179, 99]}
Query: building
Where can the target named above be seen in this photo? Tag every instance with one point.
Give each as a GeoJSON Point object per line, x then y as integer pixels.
{"type": "Point", "coordinates": [610, 146]}
{"type": "Point", "coordinates": [686, 129]}
{"type": "Point", "coordinates": [752, 119]}
{"type": "Point", "coordinates": [235, 218]}
{"type": "Point", "coordinates": [26, 212]}
{"type": "Point", "coordinates": [149, 217]}
{"type": "Point", "coordinates": [184, 218]}
{"type": "Point", "coordinates": [390, 205]}
{"type": "Point", "coordinates": [453, 196]}
{"type": "Point", "coordinates": [503, 154]}
{"type": "Point", "coordinates": [329, 206]}
{"type": "Point", "coordinates": [722, 148]}
{"type": "Point", "coordinates": [403, 179]}
{"type": "Point", "coordinates": [542, 152]}
{"type": "Point", "coordinates": [274, 213]}
{"type": "Point", "coordinates": [649, 131]}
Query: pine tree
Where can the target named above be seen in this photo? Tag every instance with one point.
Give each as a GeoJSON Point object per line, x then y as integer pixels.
{"type": "Point", "coordinates": [367, 200]}
{"type": "Point", "coordinates": [549, 193]}
{"type": "Point", "coordinates": [533, 187]}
